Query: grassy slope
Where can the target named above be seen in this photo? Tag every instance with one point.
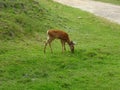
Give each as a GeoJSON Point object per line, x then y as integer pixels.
{"type": "Point", "coordinates": [111, 1]}
{"type": "Point", "coordinates": [93, 66]}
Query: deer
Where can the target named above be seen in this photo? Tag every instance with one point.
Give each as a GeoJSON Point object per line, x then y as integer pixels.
{"type": "Point", "coordinates": [62, 36]}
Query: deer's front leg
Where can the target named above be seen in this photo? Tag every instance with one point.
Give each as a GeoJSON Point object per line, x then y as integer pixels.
{"type": "Point", "coordinates": [63, 46]}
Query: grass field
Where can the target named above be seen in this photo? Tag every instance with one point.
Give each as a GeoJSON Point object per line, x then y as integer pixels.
{"type": "Point", "coordinates": [111, 1]}
{"type": "Point", "coordinates": [95, 65]}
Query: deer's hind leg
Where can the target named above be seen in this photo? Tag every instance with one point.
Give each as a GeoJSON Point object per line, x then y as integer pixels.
{"type": "Point", "coordinates": [49, 40]}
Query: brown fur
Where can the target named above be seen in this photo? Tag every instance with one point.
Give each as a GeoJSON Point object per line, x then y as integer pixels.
{"type": "Point", "coordinates": [59, 34]}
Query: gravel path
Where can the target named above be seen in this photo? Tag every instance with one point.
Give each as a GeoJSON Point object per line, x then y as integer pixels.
{"type": "Point", "coordinates": [108, 11]}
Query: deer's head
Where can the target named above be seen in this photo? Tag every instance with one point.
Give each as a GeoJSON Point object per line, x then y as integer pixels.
{"type": "Point", "coordinates": [72, 46]}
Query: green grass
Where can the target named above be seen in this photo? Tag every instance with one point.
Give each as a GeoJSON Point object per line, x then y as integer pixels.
{"type": "Point", "coordinates": [111, 1]}
{"type": "Point", "coordinates": [95, 65]}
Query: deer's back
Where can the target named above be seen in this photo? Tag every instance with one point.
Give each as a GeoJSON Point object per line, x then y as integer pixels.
{"type": "Point", "coordinates": [58, 34]}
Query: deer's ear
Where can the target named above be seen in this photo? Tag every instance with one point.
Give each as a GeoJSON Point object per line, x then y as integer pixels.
{"type": "Point", "coordinates": [74, 43]}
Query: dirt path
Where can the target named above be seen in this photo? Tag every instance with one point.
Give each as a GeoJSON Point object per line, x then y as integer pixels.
{"type": "Point", "coordinates": [109, 11]}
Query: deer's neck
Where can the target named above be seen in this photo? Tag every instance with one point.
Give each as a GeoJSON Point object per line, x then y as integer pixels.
{"type": "Point", "coordinates": [68, 41]}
